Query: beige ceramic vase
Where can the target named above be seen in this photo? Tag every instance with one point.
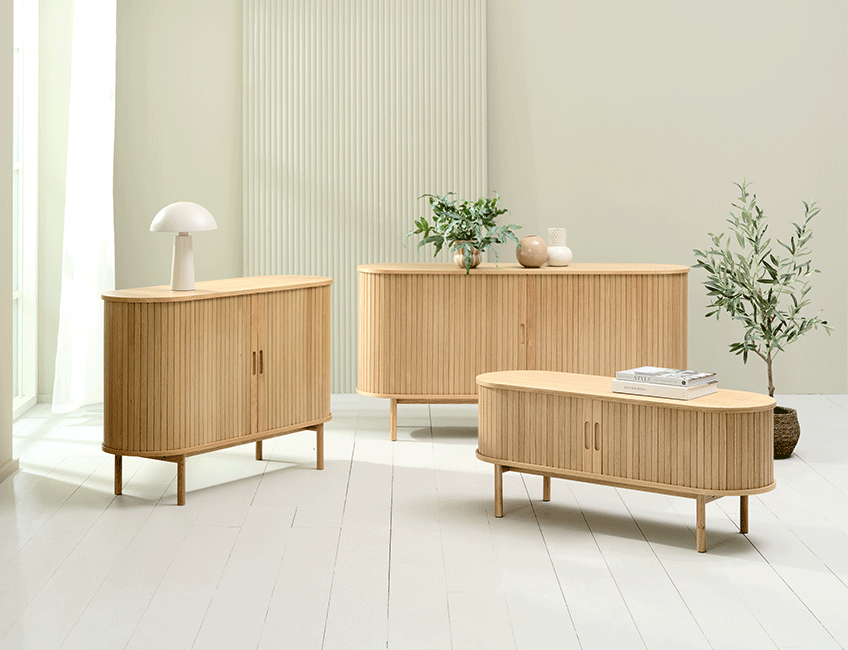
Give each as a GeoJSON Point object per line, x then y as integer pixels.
{"type": "Point", "coordinates": [532, 251]}
{"type": "Point", "coordinates": [459, 258]}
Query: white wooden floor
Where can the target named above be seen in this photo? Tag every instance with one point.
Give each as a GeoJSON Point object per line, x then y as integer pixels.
{"type": "Point", "coordinates": [396, 545]}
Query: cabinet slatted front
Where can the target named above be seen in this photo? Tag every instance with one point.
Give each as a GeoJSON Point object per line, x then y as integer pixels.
{"type": "Point", "coordinates": [655, 444]}
{"type": "Point", "coordinates": [234, 361]}
{"type": "Point", "coordinates": [427, 330]}
{"type": "Point", "coordinates": [573, 426]}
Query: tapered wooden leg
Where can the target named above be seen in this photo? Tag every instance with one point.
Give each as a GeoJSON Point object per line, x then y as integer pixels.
{"type": "Point", "coordinates": [181, 481]}
{"type": "Point", "coordinates": [319, 444]}
{"type": "Point", "coordinates": [258, 450]}
{"type": "Point", "coordinates": [743, 513]}
{"type": "Point", "coordinates": [702, 524]}
{"type": "Point", "coordinates": [119, 474]}
{"type": "Point", "coordinates": [498, 490]}
{"type": "Point", "coordinates": [546, 488]}
{"type": "Point", "coordinates": [393, 418]}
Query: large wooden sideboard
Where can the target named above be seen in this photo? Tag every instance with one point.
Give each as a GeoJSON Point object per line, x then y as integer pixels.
{"type": "Point", "coordinates": [427, 330]}
{"type": "Point", "coordinates": [234, 361]}
{"type": "Point", "coordinates": [573, 426]}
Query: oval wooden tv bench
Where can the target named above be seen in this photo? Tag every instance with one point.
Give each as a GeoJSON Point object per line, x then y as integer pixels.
{"type": "Point", "coordinates": [234, 361]}
{"type": "Point", "coordinates": [572, 426]}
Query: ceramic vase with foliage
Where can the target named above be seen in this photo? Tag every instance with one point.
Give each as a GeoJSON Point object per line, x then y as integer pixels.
{"type": "Point", "coordinates": [466, 228]}
{"type": "Point", "coordinates": [766, 290]}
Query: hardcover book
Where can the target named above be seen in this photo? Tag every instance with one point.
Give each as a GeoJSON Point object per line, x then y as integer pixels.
{"type": "Point", "coordinates": [663, 390]}
{"type": "Point", "coordinates": [667, 376]}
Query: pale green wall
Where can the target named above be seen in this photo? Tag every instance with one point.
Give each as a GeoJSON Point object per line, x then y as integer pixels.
{"type": "Point", "coordinates": [178, 133]}
{"type": "Point", "coordinates": [627, 122]}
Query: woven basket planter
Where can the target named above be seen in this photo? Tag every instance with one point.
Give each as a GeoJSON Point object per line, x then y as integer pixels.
{"type": "Point", "coordinates": [787, 430]}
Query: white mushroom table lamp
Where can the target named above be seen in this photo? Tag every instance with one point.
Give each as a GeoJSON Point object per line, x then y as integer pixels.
{"type": "Point", "coordinates": [182, 218]}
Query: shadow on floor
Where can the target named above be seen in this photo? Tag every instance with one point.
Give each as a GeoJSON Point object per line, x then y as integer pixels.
{"type": "Point", "coordinates": [456, 435]}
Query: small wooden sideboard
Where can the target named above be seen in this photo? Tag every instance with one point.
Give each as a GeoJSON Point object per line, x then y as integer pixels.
{"type": "Point", "coordinates": [234, 361]}
{"type": "Point", "coordinates": [573, 426]}
{"type": "Point", "coordinates": [427, 330]}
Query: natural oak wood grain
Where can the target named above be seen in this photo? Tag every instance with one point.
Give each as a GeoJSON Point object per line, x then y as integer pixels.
{"type": "Point", "coordinates": [572, 384]}
{"type": "Point", "coordinates": [499, 470]}
{"type": "Point", "coordinates": [319, 446]}
{"type": "Point", "coordinates": [427, 330]}
{"type": "Point", "coordinates": [181, 488]}
{"type": "Point", "coordinates": [573, 426]}
{"type": "Point", "coordinates": [218, 289]}
{"type": "Point", "coordinates": [236, 361]}
{"type": "Point", "coordinates": [119, 474]}
{"type": "Point", "coordinates": [576, 268]}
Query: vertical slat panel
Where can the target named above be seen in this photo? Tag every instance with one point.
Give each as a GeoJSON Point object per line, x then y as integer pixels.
{"type": "Point", "coordinates": [153, 348]}
{"type": "Point", "coordinates": [353, 109]}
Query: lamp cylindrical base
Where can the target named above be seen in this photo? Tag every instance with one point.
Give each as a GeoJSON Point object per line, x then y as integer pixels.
{"type": "Point", "coordinates": [182, 271]}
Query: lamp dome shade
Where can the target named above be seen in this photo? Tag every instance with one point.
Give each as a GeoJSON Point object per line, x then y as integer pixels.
{"type": "Point", "coordinates": [183, 216]}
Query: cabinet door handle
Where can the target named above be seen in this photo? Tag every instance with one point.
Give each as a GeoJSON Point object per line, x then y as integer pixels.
{"type": "Point", "coordinates": [597, 436]}
{"type": "Point", "coordinates": [586, 442]}
{"type": "Point", "coordinates": [261, 366]}
{"type": "Point", "coordinates": [521, 334]}
{"type": "Point", "coordinates": [254, 362]}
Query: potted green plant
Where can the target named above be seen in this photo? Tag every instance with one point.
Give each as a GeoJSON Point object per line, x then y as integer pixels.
{"type": "Point", "coordinates": [465, 228]}
{"type": "Point", "coordinates": [764, 290]}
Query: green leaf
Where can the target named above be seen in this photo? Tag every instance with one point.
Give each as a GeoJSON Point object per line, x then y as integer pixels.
{"type": "Point", "coordinates": [759, 288]}
{"type": "Point", "coordinates": [465, 221]}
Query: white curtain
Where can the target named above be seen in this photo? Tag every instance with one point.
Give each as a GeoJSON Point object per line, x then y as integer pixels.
{"type": "Point", "coordinates": [88, 250]}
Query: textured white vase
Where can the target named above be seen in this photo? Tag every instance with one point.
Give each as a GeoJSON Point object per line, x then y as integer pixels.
{"type": "Point", "coordinates": [558, 253]}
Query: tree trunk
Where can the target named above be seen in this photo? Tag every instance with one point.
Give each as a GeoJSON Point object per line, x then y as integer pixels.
{"type": "Point", "coordinates": [770, 383]}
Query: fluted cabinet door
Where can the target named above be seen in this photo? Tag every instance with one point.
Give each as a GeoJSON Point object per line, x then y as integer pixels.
{"type": "Point", "coordinates": [292, 344]}
{"type": "Point", "coordinates": [657, 444]}
{"type": "Point", "coordinates": [167, 365]}
{"type": "Point", "coordinates": [598, 324]}
{"type": "Point", "coordinates": [593, 424]}
{"type": "Point", "coordinates": [505, 333]}
{"type": "Point", "coordinates": [420, 334]}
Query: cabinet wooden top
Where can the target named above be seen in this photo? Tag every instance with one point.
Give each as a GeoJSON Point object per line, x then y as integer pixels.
{"type": "Point", "coordinates": [563, 383]}
{"type": "Point", "coordinates": [514, 268]}
{"type": "Point", "coordinates": [219, 288]}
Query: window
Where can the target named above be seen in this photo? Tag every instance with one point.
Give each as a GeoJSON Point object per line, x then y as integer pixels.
{"type": "Point", "coordinates": [24, 206]}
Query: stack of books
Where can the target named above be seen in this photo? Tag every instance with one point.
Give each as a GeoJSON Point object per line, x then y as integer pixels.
{"type": "Point", "coordinates": [665, 382]}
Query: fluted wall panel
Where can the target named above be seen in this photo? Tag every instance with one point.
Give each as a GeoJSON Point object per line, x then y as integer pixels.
{"type": "Point", "coordinates": [353, 109]}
